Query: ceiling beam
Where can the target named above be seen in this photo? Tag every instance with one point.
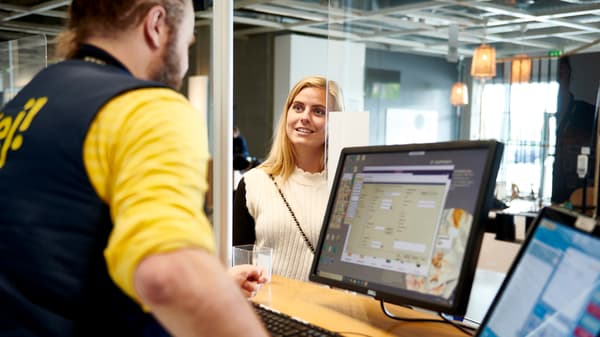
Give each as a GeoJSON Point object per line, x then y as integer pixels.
{"type": "Point", "coordinates": [22, 9]}
{"type": "Point", "coordinates": [43, 7]}
{"type": "Point", "coordinates": [30, 28]}
{"type": "Point", "coordinates": [518, 13]}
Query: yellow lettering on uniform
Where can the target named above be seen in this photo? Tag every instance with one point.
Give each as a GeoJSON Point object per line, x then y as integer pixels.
{"type": "Point", "coordinates": [16, 143]}
{"type": "Point", "coordinates": [8, 128]}
{"type": "Point", "coordinates": [5, 123]}
{"type": "Point", "coordinates": [5, 126]}
{"type": "Point", "coordinates": [8, 136]}
{"type": "Point", "coordinates": [34, 106]}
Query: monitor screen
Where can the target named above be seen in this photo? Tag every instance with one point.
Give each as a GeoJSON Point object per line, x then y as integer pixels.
{"type": "Point", "coordinates": [553, 288]}
{"type": "Point", "coordinates": [403, 222]}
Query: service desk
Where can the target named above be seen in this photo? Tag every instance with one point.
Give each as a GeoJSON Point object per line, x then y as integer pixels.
{"type": "Point", "coordinates": [345, 312]}
{"type": "Point", "coordinates": [511, 224]}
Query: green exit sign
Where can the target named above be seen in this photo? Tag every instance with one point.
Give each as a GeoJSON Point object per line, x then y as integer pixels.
{"type": "Point", "coordinates": [555, 53]}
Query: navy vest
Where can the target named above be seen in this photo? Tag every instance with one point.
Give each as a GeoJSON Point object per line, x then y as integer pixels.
{"type": "Point", "coordinates": [53, 225]}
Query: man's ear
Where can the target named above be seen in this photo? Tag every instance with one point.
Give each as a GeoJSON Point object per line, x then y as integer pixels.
{"type": "Point", "coordinates": [155, 27]}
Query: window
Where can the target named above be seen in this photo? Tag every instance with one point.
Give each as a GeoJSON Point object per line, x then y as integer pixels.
{"type": "Point", "coordinates": [523, 117]}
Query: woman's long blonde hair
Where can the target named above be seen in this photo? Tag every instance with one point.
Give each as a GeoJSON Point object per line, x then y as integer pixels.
{"type": "Point", "coordinates": [282, 157]}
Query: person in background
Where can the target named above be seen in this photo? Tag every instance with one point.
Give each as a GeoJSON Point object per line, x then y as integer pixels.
{"type": "Point", "coordinates": [281, 203]}
{"type": "Point", "coordinates": [240, 146]}
{"type": "Point", "coordinates": [575, 127]}
{"type": "Point", "coordinates": [103, 171]}
{"type": "Point", "coordinates": [241, 155]}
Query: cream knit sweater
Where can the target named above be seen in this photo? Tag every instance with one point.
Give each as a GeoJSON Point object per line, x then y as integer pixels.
{"type": "Point", "coordinates": [307, 195]}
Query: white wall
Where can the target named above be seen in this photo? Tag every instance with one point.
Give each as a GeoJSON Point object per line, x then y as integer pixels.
{"type": "Point", "coordinates": [425, 83]}
{"type": "Point", "coordinates": [346, 64]}
{"type": "Point", "coordinates": [298, 56]}
{"type": "Point", "coordinates": [345, 132]}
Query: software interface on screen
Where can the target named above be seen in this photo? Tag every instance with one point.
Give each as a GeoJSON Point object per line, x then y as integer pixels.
{"type": "Point", "coordinates": [400, 221]}
{"type": "Point", "coordinates": [555, 288]}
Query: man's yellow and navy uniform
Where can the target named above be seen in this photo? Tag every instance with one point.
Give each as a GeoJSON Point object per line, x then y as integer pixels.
{"type": "Point", "coordinates": [98, 169]}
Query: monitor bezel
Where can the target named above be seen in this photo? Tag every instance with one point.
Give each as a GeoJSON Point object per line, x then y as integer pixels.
{"type": "Point", "coordinates": [467, 273]}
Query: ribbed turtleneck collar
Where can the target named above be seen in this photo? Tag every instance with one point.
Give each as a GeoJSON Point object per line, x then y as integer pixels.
{"type": "Point", "coordinates": [306, 178]}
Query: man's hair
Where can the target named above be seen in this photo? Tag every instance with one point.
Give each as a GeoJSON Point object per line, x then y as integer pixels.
{"type": "Point", "coordinates": [110, 17]}
{"type": "Point", "coordinates": [282, 157]}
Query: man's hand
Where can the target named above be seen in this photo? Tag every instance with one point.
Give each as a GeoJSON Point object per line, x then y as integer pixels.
{"type": "Point", "coordinates": [248, 277]}
{"type": "Point", "coordinates": [191, 294]}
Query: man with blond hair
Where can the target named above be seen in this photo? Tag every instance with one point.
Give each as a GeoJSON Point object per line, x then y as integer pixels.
{"type": "Point", "coordinates": [103, 175]}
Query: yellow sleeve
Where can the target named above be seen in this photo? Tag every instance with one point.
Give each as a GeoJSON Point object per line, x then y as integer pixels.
{"type": "Point", "coordinates": [146, 154]}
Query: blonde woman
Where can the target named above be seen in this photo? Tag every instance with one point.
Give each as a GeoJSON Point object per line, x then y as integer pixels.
{"type": "Point", "coordinates": [281, 203]}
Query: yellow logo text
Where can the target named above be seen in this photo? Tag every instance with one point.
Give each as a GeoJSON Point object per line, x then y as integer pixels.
{"type": "Point", "coordinates": [12, 129]}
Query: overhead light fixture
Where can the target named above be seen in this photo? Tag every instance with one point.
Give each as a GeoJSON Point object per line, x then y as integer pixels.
{"type": "Point", "coordinates": [484, 62]}
{"type": "Point", "coordinates": [521, 69]}
{"type": "Point", "coordinates": [459, 94]}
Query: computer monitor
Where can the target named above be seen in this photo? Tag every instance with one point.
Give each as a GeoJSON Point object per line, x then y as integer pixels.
{"type": "Point", "coordinates": [404, 223]}
{"type": "Point", "coordinates": [553, 285]}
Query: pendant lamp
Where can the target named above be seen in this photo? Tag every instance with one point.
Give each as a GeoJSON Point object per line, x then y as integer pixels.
{"type": "Point", "coordinates": [459, 94]}
{"type": "Point", "coordinates": [484, 62]}
{"type": "Point", "coordinates": [521, 69]}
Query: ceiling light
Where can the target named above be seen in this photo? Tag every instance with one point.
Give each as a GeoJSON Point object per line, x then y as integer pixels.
{"type": "Point", "coordinates": [459, 94]}
{"type": "Point", "coordinates": [483, 64]}
{"type": "Point", "coordinates": [521, 69]}
{"type": "Point", "coordinates": [524, 3]}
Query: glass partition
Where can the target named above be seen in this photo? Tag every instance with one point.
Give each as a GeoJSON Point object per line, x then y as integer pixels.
{"type": "Point", "coordinates": [398, 62]}
{"type": "Point", "coordinates": [523, 116]}
{"type": "Point", "coordinates": [20, 60]}
{"type": "Point", "coordinates": [405, 96]}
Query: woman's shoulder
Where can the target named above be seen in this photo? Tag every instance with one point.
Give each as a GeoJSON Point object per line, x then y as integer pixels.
{"type": "Point", "coordinates": [255, 175]}
{"type": "Point", "coordinates": [258, 185]}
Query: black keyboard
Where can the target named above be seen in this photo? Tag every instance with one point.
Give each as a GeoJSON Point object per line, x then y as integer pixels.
{"type": "Point", "coordinates": [280, 324]}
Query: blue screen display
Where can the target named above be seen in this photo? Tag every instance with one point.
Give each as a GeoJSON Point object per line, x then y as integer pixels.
{"type": "Point", "coordinates": [554, 290]}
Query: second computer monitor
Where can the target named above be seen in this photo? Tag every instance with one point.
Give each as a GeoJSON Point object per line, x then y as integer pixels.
{"type": "Point", "coordinates": [403, 222]}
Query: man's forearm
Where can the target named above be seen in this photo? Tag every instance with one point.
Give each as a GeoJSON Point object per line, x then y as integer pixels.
{"type": "Point", "coordinates": [191, 294]}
